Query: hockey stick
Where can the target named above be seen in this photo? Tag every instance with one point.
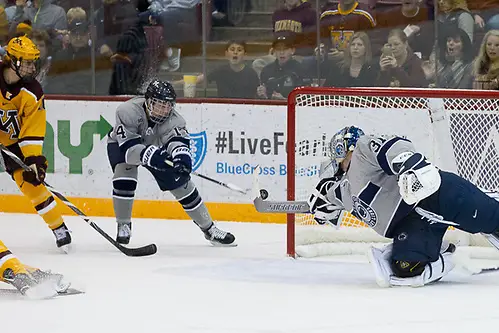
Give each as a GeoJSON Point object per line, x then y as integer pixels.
{"type": "Point", "coordinates": [284, 207]}
{"type": "Point", "coordinates": [226, 185]}
{"type": "Point", "coordinates": [301, 207]}
{"type": "Point", "coordinates": [131, 252]}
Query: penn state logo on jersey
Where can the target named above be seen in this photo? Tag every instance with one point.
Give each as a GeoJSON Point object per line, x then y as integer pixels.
{"type": "Point", "coordinates": [364, 212]}
{"type": "Point", "coordinates": [199, 144]}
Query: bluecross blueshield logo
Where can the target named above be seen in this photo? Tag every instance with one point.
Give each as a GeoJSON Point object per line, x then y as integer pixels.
{"type": "Point", "coordinates": [199, 146]}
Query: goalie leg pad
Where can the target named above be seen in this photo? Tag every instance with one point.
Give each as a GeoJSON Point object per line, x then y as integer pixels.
{"type": "Point", "coordinates": [415, 239]}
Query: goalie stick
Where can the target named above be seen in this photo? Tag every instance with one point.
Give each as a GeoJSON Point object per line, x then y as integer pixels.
{"type": "Point", "coordinates": [302, 207]}
{"type": "Point", "coordinates": [131, 252]}
{"type": "Point", "coordinates": [285, 207]}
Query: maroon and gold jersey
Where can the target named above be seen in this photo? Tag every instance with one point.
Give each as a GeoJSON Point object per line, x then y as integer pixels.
{"type": "Point", "coordinates": [22, 116]}
{"type": "Point", "coordinates": [339, 25]}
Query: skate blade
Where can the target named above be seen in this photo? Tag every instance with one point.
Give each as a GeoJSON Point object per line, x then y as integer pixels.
{"type": "Point", "coordinates": [217, 244]}
{"type": "Point", "coordinates": [66, 249]}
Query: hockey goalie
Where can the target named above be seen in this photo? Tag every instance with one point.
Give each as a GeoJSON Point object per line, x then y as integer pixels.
{"type": "Point", "coordinates": [396, 191]}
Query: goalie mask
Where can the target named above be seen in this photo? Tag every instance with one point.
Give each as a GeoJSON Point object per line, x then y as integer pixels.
{"type": "Point", "coordinates": [343, 142]}
{"type": "Point", "coordinates": [160, 101]}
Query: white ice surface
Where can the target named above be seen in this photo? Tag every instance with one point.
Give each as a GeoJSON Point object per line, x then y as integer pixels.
{"type": "Point", "coordinates": [191, 287]}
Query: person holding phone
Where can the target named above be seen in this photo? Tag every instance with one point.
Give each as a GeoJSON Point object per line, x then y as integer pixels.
{"type": "Point", "coordinates": [399, 66]}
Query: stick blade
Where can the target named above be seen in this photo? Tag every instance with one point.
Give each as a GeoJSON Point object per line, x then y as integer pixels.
{"type": "Point", "coordinates": [283, 207]}
{"type": "Point", "coordinates": [142, 251]}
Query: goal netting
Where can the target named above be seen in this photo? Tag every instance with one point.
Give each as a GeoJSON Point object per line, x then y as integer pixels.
{"type": "Point", "coordinates": [457, 130]}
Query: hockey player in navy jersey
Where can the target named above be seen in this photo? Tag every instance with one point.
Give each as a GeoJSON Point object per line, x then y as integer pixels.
{"type": "Point", "coordinates": [149, 132]}
{"type": "Point", "coordinates": [395, 190]}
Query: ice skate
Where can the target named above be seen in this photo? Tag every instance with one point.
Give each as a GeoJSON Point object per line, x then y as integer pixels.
{"type": "Point", "coordinates": [218, 237]}
{"type": "Point", "coordinates": [62, 238]}
{"type": "Point", "coordinates": [28, 286]}
{"type": "Point", "coordinates": [124, 233]}
{"type": "Point", "coordinates": [57, 280]}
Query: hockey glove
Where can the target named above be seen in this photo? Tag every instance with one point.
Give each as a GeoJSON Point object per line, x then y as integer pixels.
{"type": "Point", "coordinates": [182, 160]}
{"type": "Point", "coordinates": [324, 211]}
{"type": "Point", "coordinates": [38, 166]}
{"type": "Point", "coordinates": [154, 157]}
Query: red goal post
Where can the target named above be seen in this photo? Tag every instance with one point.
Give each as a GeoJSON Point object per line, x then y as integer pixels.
{"type": "Point", "coordinates": [457, 129]}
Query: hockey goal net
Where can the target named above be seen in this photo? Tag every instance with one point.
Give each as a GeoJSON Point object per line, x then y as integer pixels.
{"type": "Point", "coordinates": [457, 130]}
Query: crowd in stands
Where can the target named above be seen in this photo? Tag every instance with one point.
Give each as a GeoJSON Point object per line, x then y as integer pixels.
{"type": "Point", "coordinates": [118, 46]}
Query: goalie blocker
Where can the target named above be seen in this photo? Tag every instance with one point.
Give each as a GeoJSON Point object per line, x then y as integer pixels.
{"type": "Point", "coordinates": [393, 189]}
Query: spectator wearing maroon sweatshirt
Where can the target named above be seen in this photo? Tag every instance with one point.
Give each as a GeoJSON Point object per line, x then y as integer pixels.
{"type": "Point", "coordinates": [296, 19]}
{"type": "Point", "coordinates": [339, 22]}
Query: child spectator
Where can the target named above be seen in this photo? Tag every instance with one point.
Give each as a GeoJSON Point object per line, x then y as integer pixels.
{"type": "Point", "coordinates": [279, 78]}
{"type": "Point", "coordinates": [486, 64]}
{"type": "Point", "coordinates": [235, 79]}
{"type": "Point", "coordinates": [355, 70]}
{"type": "Point", "coordinates": [400, 67]}
{"type": "Point", "coordinates": [297, 20]}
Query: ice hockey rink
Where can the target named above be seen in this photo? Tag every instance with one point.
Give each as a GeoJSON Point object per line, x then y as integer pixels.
{"type": "Point", "coordinates": [191, 287]}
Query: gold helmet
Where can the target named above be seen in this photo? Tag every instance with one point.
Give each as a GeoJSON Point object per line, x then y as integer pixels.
{"type": "Point", "coordinates": [22, 49]}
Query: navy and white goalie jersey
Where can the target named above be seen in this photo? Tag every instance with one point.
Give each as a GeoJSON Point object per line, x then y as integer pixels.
{"type": "Point", "coordinates": [369, 188]}
{"type": "Point", "coordinates": [133, 131]}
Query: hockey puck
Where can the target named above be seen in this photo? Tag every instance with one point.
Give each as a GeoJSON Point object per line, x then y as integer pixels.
{"type": "Point", "coordinates": [264, 194]}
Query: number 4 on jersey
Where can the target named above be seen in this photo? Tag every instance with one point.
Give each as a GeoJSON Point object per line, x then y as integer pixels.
{"type": "Point", "coordinates": [120, 130]}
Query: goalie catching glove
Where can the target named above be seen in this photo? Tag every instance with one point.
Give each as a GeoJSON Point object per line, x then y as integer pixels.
{"type": "Point", "coordinates": [417, 178]}
{"type": "Point", "coordinates": [38, 166]}
{"type": "Point", "coordinates": [325, 211]}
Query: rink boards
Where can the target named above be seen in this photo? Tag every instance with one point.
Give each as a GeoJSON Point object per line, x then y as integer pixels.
{"type": "Point", "coordinates": [230, 142]}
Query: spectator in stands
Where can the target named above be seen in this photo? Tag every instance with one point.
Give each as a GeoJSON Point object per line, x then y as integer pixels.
{"type": "Point", "coordinates": [4, 27]}
{"type": "Point", "coordinates": [279, 78]}
{"type": "Point", "coordinates": [486, 64]}
{"type": "Point", "coordinates": [112, 18]}
{"type": "Point", "coordinates": [179, 20]}
{"type": "Point", "coordinates": [455, 57]}
{"type": "Point", "coordinates": [71, 70]}
{"type": "Point", "coordinates": [42, 41]}
{"type": "Point", "coordinates": [340, 21]}
{"type": "Point", "coordinates": [234, 79]}
{"type": "Point", "coordinates": [355, 70]}
{"type": "Point", "coordinates": [416, 22]}
{"type": "Point", "coordinates": [486, 13]}
{"type": "Point", "coordinates": [42, 13]}
{"type": "Point", "coordinates": [129, 73]}
{"type": "Point", "coordinates": [297, 20]}
{"type": "Point", "coordinates": [400, 67]}
{"type": "Point", "coordinates": [455, 14]}
{"type": "Point", "coordinates": [75, 16]}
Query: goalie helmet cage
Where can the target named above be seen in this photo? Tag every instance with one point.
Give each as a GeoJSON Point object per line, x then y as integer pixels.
{"type": "Point", "coordinates": [458, 130]}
